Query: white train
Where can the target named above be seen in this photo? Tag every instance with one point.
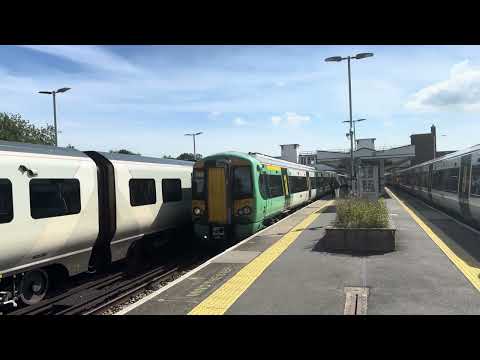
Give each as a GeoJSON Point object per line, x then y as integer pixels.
{"type": "Point", "coordinates": [451, 182]}
{"type": "Point", "coordinates": [62, 209]}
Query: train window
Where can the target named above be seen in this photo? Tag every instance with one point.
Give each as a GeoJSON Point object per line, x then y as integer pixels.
{"type": "Point", "coordinates": [198, 185]}
{"type": "Point", "coordinates": [417, 179]}
{"type": "Point", "coordinates": [424, 179]}
{"type": "Point", "coordinates": [6, 201]}
{"type": "Point", "coordinates": [445, 180]}
{"type": "Point", "coordinates": [275, 185]}
{"type": "Point", "coordinates": [242, 182]}
{"type": "Point", "coordinates": [292, 184]}
{"type": "Point", "coordinates": [54, 197]}
{"type": "Point", "coordinates": [436, 177]}
{"type": "Point", "coordinates": [321, 182]}
{"type": "Point", "coordinates": [299, 184]}
{"type": "Point", "coordinates": [142, 192]}
{"type": "Point", "coordinates": [263, 186]}
{"type": "Point", "coordinates": [452, 180]}
{"type": "Point", "coordinates": [171, 190]}
{"type": "Point", "coordinates": [475, 181]}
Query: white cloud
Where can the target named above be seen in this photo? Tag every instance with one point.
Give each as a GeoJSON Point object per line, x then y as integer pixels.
{"type": "Point", "coordinates": [290, 119]}
{"type": "Point", "coordinates": [461, 91]}
{"type": "Point", "coordinates": [276, 120]}
{"type": "Point", "coordinates": [94, 56]}
{"type": "Point", "coordinates": [214, 114]}
{"type": "Point", "coordinates": [240, 122]}
{"type": "Point", "coordinates": [296, 119]}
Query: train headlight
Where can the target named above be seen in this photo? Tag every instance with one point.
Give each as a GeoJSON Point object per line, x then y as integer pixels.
{"type": "Point", "coordinates": [197, 211]}
{"type": "Point", "coordinates": [240, 212]}
{"type": "Point", "coordinates": [247, 210]}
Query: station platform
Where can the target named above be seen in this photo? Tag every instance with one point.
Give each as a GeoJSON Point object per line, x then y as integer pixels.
{"type": "Point", "coordinates": [283, 270]}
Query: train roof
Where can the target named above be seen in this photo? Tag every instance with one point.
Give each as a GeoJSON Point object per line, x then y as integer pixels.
{"type": "Point", "coordinates": [270, 160]}
{"type": "Point", "coordinates": [446, 157]}
{"type": "Point", "coordinates": [144, 159]}
{"type": "Point", "coordinates": [54, 150]}
{"type": "Point", "coordinates": [280, 162]}
{"type": "Point", "coordinates": [39, 149]}
{"type": "Point", "coordinates": [264, 159]}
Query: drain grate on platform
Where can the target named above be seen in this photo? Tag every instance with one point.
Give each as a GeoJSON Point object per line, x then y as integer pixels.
{"type": "Point", "coordinates": [356, 301]}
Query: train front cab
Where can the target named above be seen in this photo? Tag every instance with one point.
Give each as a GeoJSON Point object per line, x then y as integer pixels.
{"type": "Point", "coordinates": [224, 199]}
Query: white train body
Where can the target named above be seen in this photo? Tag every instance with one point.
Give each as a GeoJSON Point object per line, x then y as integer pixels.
{"type": "Point", "coordinates": [451, 182]}
{"type": "Point", "coordinates": [28, 242]}
{"type": "Point", "coordinates": [67, 208]}
{"type": "Point", "coordinates": [134, 222]}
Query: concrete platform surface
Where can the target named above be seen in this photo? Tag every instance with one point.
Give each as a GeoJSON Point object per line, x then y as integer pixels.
{"type": "Point", "coordinates": [417, 278]}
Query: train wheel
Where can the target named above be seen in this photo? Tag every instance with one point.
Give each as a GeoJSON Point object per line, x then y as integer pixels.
{"type": "Point", "coordinates": [34, 286]}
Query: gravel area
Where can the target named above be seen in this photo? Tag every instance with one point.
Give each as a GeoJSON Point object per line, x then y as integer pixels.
{"type": "Point", "coordinates": [149, 289]}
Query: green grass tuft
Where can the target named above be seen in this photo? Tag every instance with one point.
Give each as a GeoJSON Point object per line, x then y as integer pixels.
{"type": "Point", "coordinates": [361, 213]}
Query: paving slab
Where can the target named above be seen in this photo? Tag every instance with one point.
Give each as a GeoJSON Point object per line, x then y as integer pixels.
{"type": "Point", "coordinates": [417, 278]}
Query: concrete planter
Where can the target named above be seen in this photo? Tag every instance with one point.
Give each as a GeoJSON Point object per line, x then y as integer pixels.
{"type": "Point", "coordinates": [359, 240]}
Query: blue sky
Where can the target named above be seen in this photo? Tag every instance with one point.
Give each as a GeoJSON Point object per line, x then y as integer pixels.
{"type": "Point", "coordinates": [245, 98]}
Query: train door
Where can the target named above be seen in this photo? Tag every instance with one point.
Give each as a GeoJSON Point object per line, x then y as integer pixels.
{"type": "Point", "coordinates": [286, 188]}
{"type": "Point", "coordinates": [263, 184]}
{"type": "Point", "coordinates": [429, 182]}
{"type": "Point", "coordinates": [217, 195]}
{"type": "Point", "coordinates": [464, 188]}
{"type": "Point", "coordinates": [309, 186]}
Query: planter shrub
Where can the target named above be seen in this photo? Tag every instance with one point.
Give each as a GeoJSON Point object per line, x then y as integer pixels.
{"type": "Point", "coordinates": [361, 213]}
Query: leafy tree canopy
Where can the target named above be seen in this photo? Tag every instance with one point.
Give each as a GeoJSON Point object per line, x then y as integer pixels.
{"type": "Point", "coordinates": [14, 128]}
{"type": "Point", "coordinates": [124, 151]}
{"type": "Point", "coordinates": [189, 157]}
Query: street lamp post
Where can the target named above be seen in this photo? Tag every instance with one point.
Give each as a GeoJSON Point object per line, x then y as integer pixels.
{"type": "Point", "coordinates": [348, 58]}
{"type": "Point", "coordinates": [194, 150]}
{"type": "Point", "coordinates": [354, 134]}
{"type": "Point", "coordinates": [53, 93]}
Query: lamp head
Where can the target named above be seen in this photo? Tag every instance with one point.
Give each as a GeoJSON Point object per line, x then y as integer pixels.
{"type": "Point", "coordinates": [63, 89]}
{"type": "Point", "coordinates": [334, 58]}
{"type": "Point", "coordinates": [363, 55]}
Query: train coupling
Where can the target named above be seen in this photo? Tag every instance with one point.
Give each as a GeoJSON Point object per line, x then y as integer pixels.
{"type": "Point", "coordinates": [7, 298]}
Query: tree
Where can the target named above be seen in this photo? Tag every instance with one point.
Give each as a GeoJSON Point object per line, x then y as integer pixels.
{"type": "Point", "coordinates": [14, 128]}
{"type": "Point", "coordinates": [168, 157]}
{"type": "Point", "coordinates": [124, 151]}
{"type": "Point", "coordinates": [188, 157]}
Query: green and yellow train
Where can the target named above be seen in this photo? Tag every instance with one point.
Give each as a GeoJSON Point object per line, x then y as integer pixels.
{"type": "Point", "coordinates": [234, 194]}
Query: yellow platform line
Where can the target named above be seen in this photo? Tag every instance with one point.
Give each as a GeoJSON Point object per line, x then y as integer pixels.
{"type": "Point", "coordinates": [472, 273]}
{"type": "Point", "coordinates": [224, 297]}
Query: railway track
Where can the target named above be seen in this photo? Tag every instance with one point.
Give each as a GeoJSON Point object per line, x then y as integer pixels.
{"type": "Point", "coordinates": [98, 295]}
{"type": "Point", "coordinates": [106, 291]}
